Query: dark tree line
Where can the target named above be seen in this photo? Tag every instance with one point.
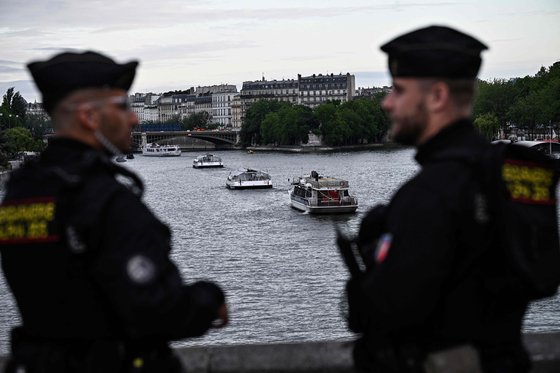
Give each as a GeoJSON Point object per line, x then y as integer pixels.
{"type": "Point", "coordinates": [19, 131]}
{"type": "Point", "coordinates": [281, 123]}
{"type": "Point", "coordinates": [527, 103]}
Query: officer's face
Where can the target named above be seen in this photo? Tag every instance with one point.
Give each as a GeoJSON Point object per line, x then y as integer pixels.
{"type": "Point", "coordinates": [117, 120]}
{"type": "Point", "coordinates": [406, 107]}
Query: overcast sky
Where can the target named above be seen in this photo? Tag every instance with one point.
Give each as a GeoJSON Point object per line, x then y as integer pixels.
{"type": "Point", "coordinates": [185, 43]}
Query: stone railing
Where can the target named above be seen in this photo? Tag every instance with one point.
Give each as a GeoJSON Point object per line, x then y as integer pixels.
{"type": "Point", "coordinates": [323, 357]}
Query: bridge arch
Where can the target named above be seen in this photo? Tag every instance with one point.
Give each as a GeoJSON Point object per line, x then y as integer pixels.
{"type": "Point", "coordinates": [222, 139]}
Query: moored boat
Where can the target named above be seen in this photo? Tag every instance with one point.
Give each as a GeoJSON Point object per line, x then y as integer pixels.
{"type": "Point", "coordinates": [207, 161]}
{"type": "Point", "coordinates": [317, 194]}
{"type": "Point", "coordinates": [156, 150]}
{"type": "Point", "coordinates": [248, 179]}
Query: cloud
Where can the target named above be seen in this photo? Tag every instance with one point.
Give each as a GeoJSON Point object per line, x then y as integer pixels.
{"type": "Point", "coordinates": [8, 69]}
{"type": "Point", "coordinates": [51, 14]}
{"type": "Point", "coordinates": [189, 50]}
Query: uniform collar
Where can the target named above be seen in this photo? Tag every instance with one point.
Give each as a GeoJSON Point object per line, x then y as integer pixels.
{"type": "Point", "coordinates": [67, 150]}
{"type": "Point", "coordinates": [454, 135]}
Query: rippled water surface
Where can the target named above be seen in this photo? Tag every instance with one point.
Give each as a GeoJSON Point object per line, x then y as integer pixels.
{"type": "Point", "coordinates": [279, 267]}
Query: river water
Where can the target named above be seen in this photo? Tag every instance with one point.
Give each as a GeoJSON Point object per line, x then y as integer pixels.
{"type": "Point", "coordinates": [279, 267]}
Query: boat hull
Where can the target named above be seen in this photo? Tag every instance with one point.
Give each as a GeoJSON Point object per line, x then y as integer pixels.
{"type": "Point", "coordinates": [208, 165]}
{"type": "Point", "coordinates": [155, 150]}
{"type": "Point", "coordinates": [166, 154]}
{"type": "Point", "coordinates": [302, 204]}
{"type": "Point", "coordinates": [249, 184]}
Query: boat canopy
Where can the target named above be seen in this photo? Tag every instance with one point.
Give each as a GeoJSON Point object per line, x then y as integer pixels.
{"type": "Point", "coordinates": [208, 158]}
{"type": "Point", "coordinates": [249, 174]}
{"type": "Point", "coordinates": [317, 181]}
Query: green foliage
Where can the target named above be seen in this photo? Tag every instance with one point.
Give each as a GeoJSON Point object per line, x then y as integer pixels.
{"type": "Point", "coordinates": [353, 122]}
{"type": "Point", "coordinates": [281, 123]}
{"type": "Point", "coordinates": [526, 103]}
{"type": "Point", "coordinates": [15, 105]}
{"type": "Point", "coordinates": [251, 129]}
{"type": "Point", "coordinates": [197, 120]}
{"type": "Point", "coordinates": [19, 131]}
{"type": "Point", "coordinates": [487, 124]}
{"type": "Point", "coordinates": [19, 139]}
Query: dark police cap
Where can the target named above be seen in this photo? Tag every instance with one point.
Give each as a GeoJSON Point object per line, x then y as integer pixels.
{"type": "Point", "coordinates": [434, 52]}
{"type": "Point", "coordinates": [67, 72]}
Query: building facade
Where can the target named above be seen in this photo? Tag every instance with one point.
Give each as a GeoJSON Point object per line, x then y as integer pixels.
{"type": "Point", "coordinates": [279, 90]}
{"type": "Point", "coordinates": [317, 89]}
{"type": "Point", "coordinates": [221, 108]}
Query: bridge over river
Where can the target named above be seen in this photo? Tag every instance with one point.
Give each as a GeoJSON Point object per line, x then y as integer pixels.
{"type": "Point", "coordinates": [221, 139]}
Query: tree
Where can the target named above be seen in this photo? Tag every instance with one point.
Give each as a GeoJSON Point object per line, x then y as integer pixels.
{"type": "Point", "coordinates": [19, 139]}
{"type": "Point", "coordinates": [270, 129]}
{"type": "Point", "coordinates": [250, 129]}
{"type": "Point", "coordinates": [196, 120]}
{"type": "Point", "coordinates": [14, 103]}
{"type": "Point", "coordinates": [487, 124]}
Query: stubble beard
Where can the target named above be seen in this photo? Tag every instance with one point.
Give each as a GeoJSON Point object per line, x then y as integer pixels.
{"type": "Point", "coordinates": [407, 130]}
{"type": "Point", "coordinates": [122, 144]}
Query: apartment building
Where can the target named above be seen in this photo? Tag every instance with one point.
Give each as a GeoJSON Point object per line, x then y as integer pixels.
{"type": "Point", "coordinates": [280, 90]}
{"type": "Point", "coordinates": [221, 108]}
{"type": "Point", "coordinates": [316, 89]}
{"type": "Point", "coordinates": [36, 109]}
{"type": "Point", "coordinates": [236, 116]}
{"type": "Point", "coordinates": [145, 105]}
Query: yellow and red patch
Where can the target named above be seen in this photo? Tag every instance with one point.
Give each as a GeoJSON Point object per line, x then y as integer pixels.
{"type": "Point", "coordinates": [27, 221]}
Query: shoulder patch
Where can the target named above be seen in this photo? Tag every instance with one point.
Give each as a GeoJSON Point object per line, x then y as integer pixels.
{"type": "Point", "coordinates": [28, 221]}
{"type": "Point", "coordinates": [529, 183]}
{"type": "Point", "coordinates": [383, 246]}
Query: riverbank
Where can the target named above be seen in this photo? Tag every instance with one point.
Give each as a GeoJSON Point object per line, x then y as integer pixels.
{"type": "Point", "coordinates": [323, 149]}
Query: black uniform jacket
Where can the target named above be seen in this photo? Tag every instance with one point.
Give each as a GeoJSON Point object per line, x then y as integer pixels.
{"type": "Point", "coordinates": [87, 260]}
{"type": "Point", "coordinates": [435, 272]}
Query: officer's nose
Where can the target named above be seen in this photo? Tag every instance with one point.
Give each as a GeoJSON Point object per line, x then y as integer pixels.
{"type": "Point", "coordinates": [132, 118]}
{"type": "Point", "coordinates": [387, 103]}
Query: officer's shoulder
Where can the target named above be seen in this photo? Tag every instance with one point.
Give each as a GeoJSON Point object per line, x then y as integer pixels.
{"type": "Point", "coordinates": [101, 178]}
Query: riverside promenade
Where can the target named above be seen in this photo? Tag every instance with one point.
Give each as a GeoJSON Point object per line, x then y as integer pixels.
{"type": "Point", "coordinates": [332, 357]}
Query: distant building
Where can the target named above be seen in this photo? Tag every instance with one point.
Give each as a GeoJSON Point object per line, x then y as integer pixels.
{"type": "Point", "coordinates": [317, 89]}
{"type": "Point", "coordinates": [369, 92]}
{"type": "Point", "coordinates": [145, 105]}
{"type": "Point", "coordinates": [236, 113]}
{"type": "Point", "coordinates": [221, 108]}
{"type": "Point", "coordinates": [220, 88]}
{"type": "Point", "coordinates": [167, 109]}
{"type": "Point", "coordinates": [203, 103]}
{"type": "Point", "coordinates": [279, 90]}
{"type": "Point", "coordinates": [36, 108]}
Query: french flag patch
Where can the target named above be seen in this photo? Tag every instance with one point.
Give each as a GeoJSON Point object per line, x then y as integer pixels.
{"type": "Point", "coordinates": [383, 246]}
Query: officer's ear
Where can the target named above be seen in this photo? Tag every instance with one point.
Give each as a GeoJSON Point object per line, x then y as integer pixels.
{"type": "Point", "coordinates": [88, 116]}
{"type": "Point", "coordinates": [438, 96]}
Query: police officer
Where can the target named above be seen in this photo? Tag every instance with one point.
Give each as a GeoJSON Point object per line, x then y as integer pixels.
{"type": "Point", "coordinates": [88, 263]}
{"type": "Point", "coordinates": [432, 282]}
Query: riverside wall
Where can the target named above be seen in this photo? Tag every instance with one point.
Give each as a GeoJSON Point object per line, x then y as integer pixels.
{"type": "Point", "coordinates": [331, 357]}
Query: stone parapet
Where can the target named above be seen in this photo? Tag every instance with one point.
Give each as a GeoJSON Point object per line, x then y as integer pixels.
{"type": "Point", "coordinates": [328, 357]}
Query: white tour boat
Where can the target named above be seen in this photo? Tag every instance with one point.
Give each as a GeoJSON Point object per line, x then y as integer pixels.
{"type": "Point", "coordinates": [156, 150]}
{"type": "Point", "coordinates": [316, 194]}
{"type": "Point", "coordinates": [248, 179]}
{"type": "Point", "coordinates": [207, 161]}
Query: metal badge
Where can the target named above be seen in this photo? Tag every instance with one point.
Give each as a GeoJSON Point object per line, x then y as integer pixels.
{"type": "Point", "coordinates": [140, 269]}
{"type": "Point", "coordinates": [74, 241]}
